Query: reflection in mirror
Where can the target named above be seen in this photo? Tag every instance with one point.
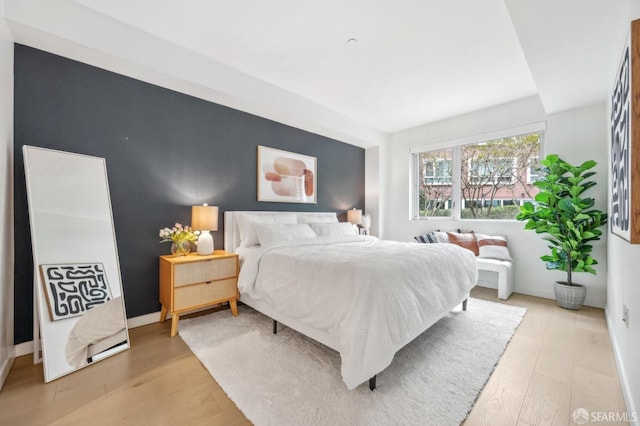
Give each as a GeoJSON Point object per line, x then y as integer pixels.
{"type": "Point", "coordinates": [78, 289]}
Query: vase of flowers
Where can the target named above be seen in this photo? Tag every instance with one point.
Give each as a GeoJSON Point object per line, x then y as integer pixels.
{"type": "Point", "coordinates": [180, 238]}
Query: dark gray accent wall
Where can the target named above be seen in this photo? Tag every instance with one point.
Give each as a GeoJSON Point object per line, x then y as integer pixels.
{"type": "Point", "coordinates": [165, 151]}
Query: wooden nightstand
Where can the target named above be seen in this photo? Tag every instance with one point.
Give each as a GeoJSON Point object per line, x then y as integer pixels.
{"type": "Point", "coordinates": [193, 282]}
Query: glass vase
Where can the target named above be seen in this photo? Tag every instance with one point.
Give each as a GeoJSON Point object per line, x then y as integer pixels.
{"type": "Point", "coordinates": [181, 248]}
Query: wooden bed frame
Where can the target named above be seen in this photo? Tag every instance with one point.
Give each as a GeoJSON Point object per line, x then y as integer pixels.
{"type": "Point", "coordinates": [232, 242]}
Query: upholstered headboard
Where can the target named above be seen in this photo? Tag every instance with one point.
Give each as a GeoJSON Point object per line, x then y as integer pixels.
{"type": "Point", "coordinates": [232, 233]}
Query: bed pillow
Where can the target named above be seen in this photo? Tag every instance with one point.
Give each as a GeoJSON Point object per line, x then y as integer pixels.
{"type": "Point", "coordinates": [247, 222]}
{"type": "Point", "coordinates": [333, 229]}
{"type": "Point", "coordinates": [317, 218]}
{"type": "Point", "coordinates": [493, 247]}
{"type": "Point", "coordinates": [273, 233]}
{"type": "Point", "coordinates": [441, 237]}
{"type": "Point", "coordinates": [466, 240]}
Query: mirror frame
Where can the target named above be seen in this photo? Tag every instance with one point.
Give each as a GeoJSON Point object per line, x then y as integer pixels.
{"type": "Point", "coordinates": [70, 196]}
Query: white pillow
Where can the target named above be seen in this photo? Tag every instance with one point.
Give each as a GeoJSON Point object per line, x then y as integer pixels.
{"type": "Point", "coordinates": [333, 229]}
{"type": "Point", "coordinates": [441, 237]}
{"type": "Point", "coordinates": [247, 222]}
{"type": "Point", "coordinates": [273, 233]}
{"type": "Point", "coordinates": [317, 218]}
{"type": "Point", "coordinates": [493, 247]}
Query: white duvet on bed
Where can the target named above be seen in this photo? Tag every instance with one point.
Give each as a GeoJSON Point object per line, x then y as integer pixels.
{"type": "Point", "coordinates": [374, 295]}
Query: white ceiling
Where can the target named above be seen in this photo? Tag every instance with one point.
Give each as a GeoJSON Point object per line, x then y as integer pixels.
{"type": "Point", "coordinates": [416, 61]}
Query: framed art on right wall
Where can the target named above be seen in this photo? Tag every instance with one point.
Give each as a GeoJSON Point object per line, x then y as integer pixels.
{"type": "Point", "coordinates": [625, 142]}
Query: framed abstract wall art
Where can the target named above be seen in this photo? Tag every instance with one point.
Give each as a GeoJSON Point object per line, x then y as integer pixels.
{"type": "Point", "coordinates": [625, 142]}
{"type": "Point", "coordinates": [286, 177]}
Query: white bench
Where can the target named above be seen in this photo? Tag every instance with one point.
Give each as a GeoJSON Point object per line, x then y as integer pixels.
{"type": "Point", "coordinates": [504, 270]}
{"type": "Point", "coordinates": [488, 267]}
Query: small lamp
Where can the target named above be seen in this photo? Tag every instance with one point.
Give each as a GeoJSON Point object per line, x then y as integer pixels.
{"type": "Point", "coordinates": [204, 219]}
{"type": "Point", "coordinates": [354, 217]}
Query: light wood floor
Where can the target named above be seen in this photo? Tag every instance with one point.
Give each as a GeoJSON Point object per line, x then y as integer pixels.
{"type": "Point", "coordinates": [557, 361]}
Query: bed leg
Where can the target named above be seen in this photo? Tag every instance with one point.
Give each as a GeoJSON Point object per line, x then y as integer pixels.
{"type": "Point", "coordinates": [275, 327]}
{"type": "Point", "coordinates": [464, 304]}
{"type": "Point", "coordinates": [372, 383]}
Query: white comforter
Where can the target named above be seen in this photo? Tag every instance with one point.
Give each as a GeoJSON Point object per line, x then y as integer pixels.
{"type": "Point", "coordinates": [374, 295]}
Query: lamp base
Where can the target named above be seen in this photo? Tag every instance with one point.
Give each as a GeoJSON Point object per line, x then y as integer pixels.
{"type": "Point", "coordinates": [205, 243]}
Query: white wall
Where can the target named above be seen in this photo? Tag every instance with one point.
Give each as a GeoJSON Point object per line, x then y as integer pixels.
{"type": "Point", "coordinates": [372, 187]}
{"type": "Point", "coordinates": [6, 198]}
{"type": "Point", "coordinates": [624, 288]}
{"type": "Point", "coordinates": [577, 135]}
{"type": "Point", "coordinates": [117, 47]}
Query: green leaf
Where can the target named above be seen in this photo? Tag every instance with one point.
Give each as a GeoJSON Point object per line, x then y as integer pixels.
{"type": "Point", "coordinates": [576, 180]}
{"type": "Point", "coordinates": [544, 197]}
{"type": "Point", "coordinates": [589, 164]}
{"type": "Point", "coordinates": [549, 160]}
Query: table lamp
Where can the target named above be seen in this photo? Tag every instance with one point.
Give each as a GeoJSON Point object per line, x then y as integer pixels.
{"type": "Point", "coordinates": [354, 216]}
{"type": "Point", "coordinates": [204, 219]}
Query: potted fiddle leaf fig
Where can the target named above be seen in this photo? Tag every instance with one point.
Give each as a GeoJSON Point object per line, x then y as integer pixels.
{"type": "Point", "coordinates": [569, 222]}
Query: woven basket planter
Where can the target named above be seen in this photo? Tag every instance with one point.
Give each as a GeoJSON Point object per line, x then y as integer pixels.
{"type": "Point", "coordinates": [570, 296]}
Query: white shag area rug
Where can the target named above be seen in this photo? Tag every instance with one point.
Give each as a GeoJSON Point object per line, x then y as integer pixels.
{"type": "Point", "coordinates": [289, 379]}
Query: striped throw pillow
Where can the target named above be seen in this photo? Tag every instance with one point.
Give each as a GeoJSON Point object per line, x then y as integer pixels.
{"type": "Point", "coordinates": [427, 238]}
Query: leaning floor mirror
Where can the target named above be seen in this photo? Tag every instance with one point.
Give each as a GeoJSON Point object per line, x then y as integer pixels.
{"type": "Point", "coordinates": [79, 307]}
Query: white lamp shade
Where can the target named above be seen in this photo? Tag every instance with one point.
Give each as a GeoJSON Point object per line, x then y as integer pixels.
{"type": "Point", "coordinates": [204, 219]}
{"type": "Point", "coordinates": [354, 216]}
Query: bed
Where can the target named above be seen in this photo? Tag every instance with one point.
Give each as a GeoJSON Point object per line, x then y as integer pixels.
{"type": "Point", "coordinates": [363, 297]}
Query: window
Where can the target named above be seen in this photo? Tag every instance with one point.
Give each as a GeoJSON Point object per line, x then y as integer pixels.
{"type": "Point", "coordinates": [478, 179]}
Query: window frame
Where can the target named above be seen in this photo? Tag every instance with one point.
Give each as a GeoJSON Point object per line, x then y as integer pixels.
{"type": "Point", "coordinates": [456, 145]}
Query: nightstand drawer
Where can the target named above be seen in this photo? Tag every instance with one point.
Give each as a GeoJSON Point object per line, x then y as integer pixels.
{"type": "Point", "coordinates": [201, 294]}
{"type": "Point", "coordinates": [202, 271]}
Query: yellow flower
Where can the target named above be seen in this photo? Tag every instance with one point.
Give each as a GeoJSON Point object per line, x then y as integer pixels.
{"type": "Point", "coordinates": [178, 234]}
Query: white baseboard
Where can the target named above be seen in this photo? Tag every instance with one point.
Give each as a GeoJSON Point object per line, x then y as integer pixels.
{"type": "Point", "coordinates": [4, 371]}
{"type": "Point", "coordinates": [548, 294]}
{"type": "Point", "coordinates": [141, 320]}
{"type": "Point", "coordinates": [26, 348]}
{"type": "Point", "coordinates": [626, 390]}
